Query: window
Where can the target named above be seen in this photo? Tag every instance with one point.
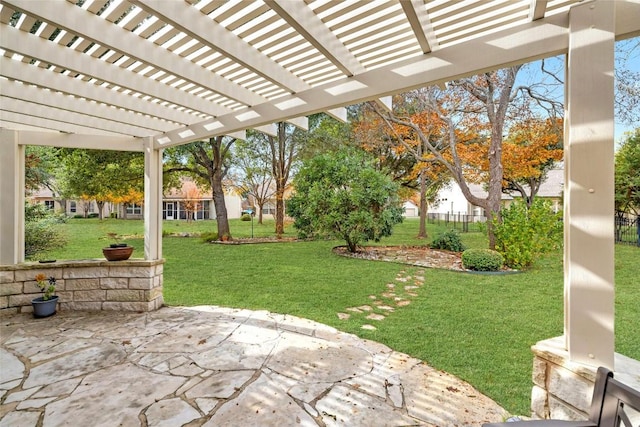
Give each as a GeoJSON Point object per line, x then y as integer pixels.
{"type": "Point", "coordinates": [72, 207]}
{"type": "Point", "coordinates": [50, 204]}
{"type": "Point", "coordinates": [134, 209]}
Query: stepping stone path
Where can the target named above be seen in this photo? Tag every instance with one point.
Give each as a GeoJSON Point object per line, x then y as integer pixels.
{"type": "Point", "coordinates": [388, 301]}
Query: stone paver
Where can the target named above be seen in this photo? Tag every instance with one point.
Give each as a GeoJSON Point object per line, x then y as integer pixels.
{"type": "Point", "coordinates": [212, 366]}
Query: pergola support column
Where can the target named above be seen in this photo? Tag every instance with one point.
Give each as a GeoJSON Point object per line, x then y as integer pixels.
{"type": "Point", "coordinates": [589, 192]}
{"type": "Point", "coordinates": [152, 201]}
{"type": "Point", "coordinates": [12, 168]}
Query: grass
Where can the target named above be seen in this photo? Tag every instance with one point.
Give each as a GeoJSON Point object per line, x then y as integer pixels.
{"type": "Point", "coordinates": [477, 327]}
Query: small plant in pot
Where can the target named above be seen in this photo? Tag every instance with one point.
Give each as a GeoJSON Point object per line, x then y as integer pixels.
{"type": "Point", "coordinates": [45, 305]}
{"type": "Point", "coordinates": [117, 251]}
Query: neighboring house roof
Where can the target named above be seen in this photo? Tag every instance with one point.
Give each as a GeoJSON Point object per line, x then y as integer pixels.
{"type": "Point", "coordinates": [553, 186]}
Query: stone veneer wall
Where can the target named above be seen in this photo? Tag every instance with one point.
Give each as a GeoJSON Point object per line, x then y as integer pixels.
{"type": "Point", "coordinates": [563, 389]}
{"type": "Point", "coordinates": [86, 285]}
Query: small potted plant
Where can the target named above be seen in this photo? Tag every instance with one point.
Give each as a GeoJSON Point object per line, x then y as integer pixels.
{"type": "Point", "coordinates": [45, 305]}
{"type": "Point", "coordinates": [117, 251]}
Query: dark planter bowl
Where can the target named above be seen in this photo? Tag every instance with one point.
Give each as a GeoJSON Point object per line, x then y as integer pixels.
{"type": "Point", "coordinates": [42, 308]}
{"type": "Point", "coordinates": [117, 254]}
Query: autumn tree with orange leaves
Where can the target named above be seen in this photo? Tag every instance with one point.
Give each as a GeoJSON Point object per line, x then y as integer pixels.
{"type": "Point", "coordinates": [192, 196]}
{"type": "Point", "coordinates": [402, 152]}
{"type": "Point", "coordinates": [473, 107]}
{"type": "Point", "coordinates": [532, 148]}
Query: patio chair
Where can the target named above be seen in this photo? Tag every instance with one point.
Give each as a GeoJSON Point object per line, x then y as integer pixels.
{"type": "Point", "coordinates": [613, 405]}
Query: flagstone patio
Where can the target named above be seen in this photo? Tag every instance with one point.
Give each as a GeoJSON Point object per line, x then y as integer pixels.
{"type": "Point", "coordinates": [212, 366]}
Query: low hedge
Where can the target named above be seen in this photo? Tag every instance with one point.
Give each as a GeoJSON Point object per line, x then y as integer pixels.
{"type": "Point", "coordinates": [482, 260]}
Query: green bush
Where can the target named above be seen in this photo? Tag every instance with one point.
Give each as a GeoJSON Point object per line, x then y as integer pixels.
{"type": "Point", "coordinates": [209, 236]}
{"type": "Point", "coordinates": [93, 215]}
{"type": "Point", "coordinates": [449, 240]}
{"type": "Point", "coordinates": [41, 231]}
{"type": "Point", "coordinates": [78, 216]}
{"type": "Point", "coordinates": [527, 233]}
{"type": "Point", "coordinates": [344, 195]}
{"type": "Point", "coordinates": [245, 217]}
{"type": "Point", "coordinates": [482, 260]}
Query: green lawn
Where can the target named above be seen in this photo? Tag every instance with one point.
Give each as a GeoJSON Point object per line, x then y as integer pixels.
{"type": "Point", "coordinates": [477, 327]}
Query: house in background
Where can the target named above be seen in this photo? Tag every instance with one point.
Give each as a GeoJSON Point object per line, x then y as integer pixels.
{"type": "Point", "coordinates": [70, 207]}
{"type": "Point", "coordinates": [177, 203]}
{"type": "Point", "coordinates": [452, 201]}
{"type": "Point", "coordinates": [410, 209]}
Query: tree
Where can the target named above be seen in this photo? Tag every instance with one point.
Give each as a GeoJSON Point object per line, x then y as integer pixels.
{"type": "Point", "coordinates": [208, 162]}
{"type": "Point", "coordinates": [473, 109]}
{"type": "Point", "coordinates": [400, 150]}
{"type": "Point", "coordinates": [531, 149]}
{"type": "Point", "coordinates": [101, 175]}
{"type": "Point", "coordinates": [627, 174]}
{"type": "Point", "coordinates": [343, 195]}
{"type": "Point", "coordinates": [133, 196]}
{"type": "Point", "coordinates": [254, 177]}
{"type": "Point", "coordinates": [283, 148]}
{"type": "Point", "coordinates": [191, 195]}
{"type": "Point", "coordinates": [627, 81]}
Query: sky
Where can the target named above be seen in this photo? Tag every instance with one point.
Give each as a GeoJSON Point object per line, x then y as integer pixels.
{"type": "Point", "coordinates": [627, 55]}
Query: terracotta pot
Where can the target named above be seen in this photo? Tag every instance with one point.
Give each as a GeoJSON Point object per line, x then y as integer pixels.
{"type": "Point", "coordinates": [117, 254]}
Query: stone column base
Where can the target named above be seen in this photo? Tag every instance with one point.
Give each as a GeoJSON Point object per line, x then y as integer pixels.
{"type": "Point", "coordinates": [563, 389]}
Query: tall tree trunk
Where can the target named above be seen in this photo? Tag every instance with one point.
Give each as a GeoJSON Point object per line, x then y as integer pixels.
{"type": "Point", "coordinates": [281, 158]}
{"type": "Point", "coordinates": [422, 232]}
{"type": "Point", "coordinates": [279, 208]}
{"type": "Point", "coordinates": [222, 220]}
{"type": "Point", "coordinates": [260, 207]}
{"type": "Point", "coordinates": [100, 206]}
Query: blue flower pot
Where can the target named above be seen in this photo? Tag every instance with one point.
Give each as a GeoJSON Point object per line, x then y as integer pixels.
{"type": "Point", "coordinates": [42, 308]}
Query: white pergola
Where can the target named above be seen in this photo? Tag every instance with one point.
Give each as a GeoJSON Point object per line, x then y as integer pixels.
{"type": "Point", "coordinates": [144, 75]}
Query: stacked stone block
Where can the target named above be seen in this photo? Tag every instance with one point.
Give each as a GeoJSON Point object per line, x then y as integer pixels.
{"type": "Point", "coordinates": [563, 388]}
{"type": "Point", "coordinates": [88, 285]}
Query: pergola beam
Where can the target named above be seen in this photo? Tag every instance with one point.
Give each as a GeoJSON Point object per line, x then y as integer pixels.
{"type": "Point", "coordinates": [91, 27]}
{"type": "Point", "coordinates": [59, 102]}
{"type": "Point", "coordinates": [95, 142]}
{"type": "Point", "coordinates": [420, 22]}
{"type": "Point", "coordinates": [49, 112]}
{"type": "Point", "coordinates": [198, 26]}
{"type": "Point", "coordinates": [500, 49]}
{"type": "Point", "coordinates": [16, 70]}
{"type": "Point", "coordinates": [48, 52]}
{"type": "Point", "coordinates": [42, 123]}
{"type": "Point", "coordinates": [315, 32]}
{"type": "Point", "coordinates": [537, 9]}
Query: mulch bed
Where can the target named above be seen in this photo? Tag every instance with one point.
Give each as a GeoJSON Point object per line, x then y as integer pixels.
{"type": "Point", "coordinates": [413, 255]}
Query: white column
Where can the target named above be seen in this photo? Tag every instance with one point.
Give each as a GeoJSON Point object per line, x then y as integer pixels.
{"type": "Point", "coordinates": [11, 198]}
{"type": "Point", "coordinates": [152, 201]}
{"type": "Point", "coordinates": [589, 161]}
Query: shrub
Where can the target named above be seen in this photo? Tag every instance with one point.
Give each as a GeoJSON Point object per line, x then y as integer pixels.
{"type": "Point", "coordinates": [482, 260]}
{"type": "Point", "coordinates": [449, 240]}
{"type": "Point", "coordinates": [209, 236]}
{"type": "Point", "coordinates": [78, 216]}
{"type": "Point", "coordinates": [245, 217]}
{"type": "Point", "coordinates": [41, 231]}
{"type": "Point", "coordinates": [92, 215]}
{"type": "Point", "coordinates": [525, 234]}
{"type": "Point", "coordinates": [344, 195]}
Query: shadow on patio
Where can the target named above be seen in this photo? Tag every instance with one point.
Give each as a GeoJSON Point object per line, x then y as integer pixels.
{"type": "Point", "coordinates": [212, 366]}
